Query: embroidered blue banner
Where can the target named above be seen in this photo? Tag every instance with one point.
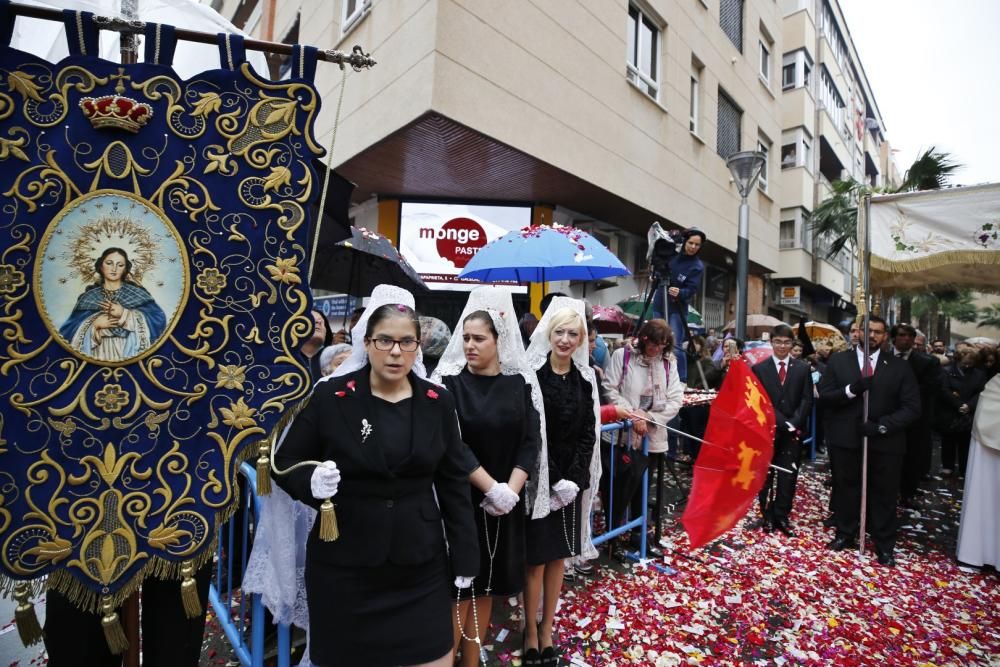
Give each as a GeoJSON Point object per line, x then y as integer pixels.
{"type": "Point", "coordinates": [154, 239]}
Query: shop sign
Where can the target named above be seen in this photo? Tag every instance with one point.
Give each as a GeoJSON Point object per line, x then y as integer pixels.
{"type": "Point", "coordinates": [790, 295]}
{"type": "Point", "coordinates": [439, 239]}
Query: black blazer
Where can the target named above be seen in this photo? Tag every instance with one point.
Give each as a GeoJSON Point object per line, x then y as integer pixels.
{"type": "Point", "coordinates": [893, 402]}
{"type": "Point", "coordinates": [793, 400]}
{"type": "Point", "coordinates": [927, 370]}
{"type": "Point", "coordinates": [385, 515]}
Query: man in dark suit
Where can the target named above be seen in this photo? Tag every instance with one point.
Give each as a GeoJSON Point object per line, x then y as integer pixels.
{"type": "Point", "coordinates": [927, 370]}
{"type": "Point", "coordinates": [893, 404]}
{"type": "Point", "coordinates": [788, 383]}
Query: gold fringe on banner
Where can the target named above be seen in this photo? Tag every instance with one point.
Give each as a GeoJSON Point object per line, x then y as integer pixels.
{"type": "Point", "coordinates": [328, 529]}
{"type": "Point", "coordinates": [114, 633]}
{"type": "Point", "coordinates": [264, 469]}
{"type": "Point", "coordinates": [189, 591]}
{"type": "Point", "coordinates": [28, 627]}
{"type": "Point", "coordinates": [936, 260]}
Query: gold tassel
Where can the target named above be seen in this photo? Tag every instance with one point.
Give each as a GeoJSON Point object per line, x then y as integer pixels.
{"type": "Point", "coordinates": [328, 530]}
{"type": "Point", "coordinates": [114, 634]}
{"type": "Point", "coordinates": [24, 616]}
{"type": "Point", "coordinates": [189, 591]}
{"type": "Point", "coordinates": [264, 469]}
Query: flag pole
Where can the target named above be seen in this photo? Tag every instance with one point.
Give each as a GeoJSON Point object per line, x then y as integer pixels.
{"type": "Point", "coordinates": [696, 439]}
{"type": "Point", "coordinates": [356, 59]}
{"type": "Point", "coordinates": [864, 235]}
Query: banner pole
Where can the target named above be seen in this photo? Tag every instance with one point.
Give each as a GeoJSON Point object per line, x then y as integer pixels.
{"type": "Point", "coordinates": [357, 59]}
{"type": "Point", "coordinates": [866, 271]}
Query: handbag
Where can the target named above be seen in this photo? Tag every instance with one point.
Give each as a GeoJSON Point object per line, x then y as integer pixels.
{"type": "Point", "coordinates": [629, 466]}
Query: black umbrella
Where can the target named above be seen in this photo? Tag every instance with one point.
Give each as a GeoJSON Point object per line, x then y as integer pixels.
{"type": "Point", "coordinates": [356, 265]}
{"type": "Point", "coordinates": [333, 223]}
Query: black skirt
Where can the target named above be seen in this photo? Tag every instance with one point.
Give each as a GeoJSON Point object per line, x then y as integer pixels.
{"type": "Point", "coordinates": [503, 536]}
{"type": "Point", "coordinates": [379, 616]}
{"type": "Point", "coordinates": [550, 538]}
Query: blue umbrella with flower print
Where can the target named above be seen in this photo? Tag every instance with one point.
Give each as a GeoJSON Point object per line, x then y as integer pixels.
{"type": "Point", "coordinates": [540, 253]}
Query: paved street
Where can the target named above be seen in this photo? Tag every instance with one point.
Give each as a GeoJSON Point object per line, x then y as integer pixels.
{"type": "Point", "coordinates": [756, 599]}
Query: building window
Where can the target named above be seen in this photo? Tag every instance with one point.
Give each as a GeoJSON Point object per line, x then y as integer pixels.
{"type": "Point", "coordinates": [763, 146]}
{"type": "Point", "coordinates": [796, 149]}
{"type": "Point", "coordinates": [731, 21]}
{"type": "Point", "coordinates": [786, 235]}
{"type": "Point", "coordinates": [830, 98]}
{"type": "Point", "coordinates": [730, 120]}
{"type": "Point", "coordinates": [694, 105]}
{"type": "Point", "coordinates": [353, 11]}
{"type": "Point", "coordinates": [765, 62]}
{"type": "Point", "coordinates": [796, 68]}
{"type": "Point", "coordinates": [788, 76]}
{"type": "Point", "coordinates": [643, 63]}
{"type": "Point", "coordinates": [765, 46]}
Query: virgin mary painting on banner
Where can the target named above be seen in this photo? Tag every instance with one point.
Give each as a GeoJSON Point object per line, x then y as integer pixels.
{"type": "Point", "coordinates": [115, 318]}
{"type": "Point", "coordinates": [125, 268]}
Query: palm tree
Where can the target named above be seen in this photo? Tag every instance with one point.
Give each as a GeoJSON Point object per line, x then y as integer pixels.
{"type": "Point", "coordinates": [936, 310]}
{"type": "Point", "coordinates": [930, 171]}
{"type": "Point", "coordinates": [990, 316]}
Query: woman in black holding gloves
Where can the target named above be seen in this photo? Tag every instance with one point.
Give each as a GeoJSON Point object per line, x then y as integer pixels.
{"type": "Point", "coordinates": [388, 441]}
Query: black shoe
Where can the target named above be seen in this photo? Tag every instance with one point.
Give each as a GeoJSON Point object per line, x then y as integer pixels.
{"type": "Point", "coordinates": [784, 527]}
{"type": "Point", "coordinates": [885, 557]}
{"type": "Point", "coordinates": [909, 503]}
{"type": "Point", "coordinates": [762, 523]}
{"type": "Point", "coordinates": [841, 542]}
{"type": "Point", "coordinates": [830, 521]}
{"type": "Point", "coordinates": [530, 657]}
{"type": "Point", "coordinates": [549, 657]}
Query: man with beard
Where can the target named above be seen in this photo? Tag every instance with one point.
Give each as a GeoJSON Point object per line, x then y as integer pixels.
{"type": "Point", "coordinates": [893, 403]}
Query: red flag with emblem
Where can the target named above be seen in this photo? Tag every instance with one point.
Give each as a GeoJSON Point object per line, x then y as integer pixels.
{"type": "Point", "coordinates": [732, 464]}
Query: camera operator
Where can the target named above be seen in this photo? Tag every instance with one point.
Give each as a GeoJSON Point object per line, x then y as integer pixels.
{"type": "Point", "coordinates": [685, 271]}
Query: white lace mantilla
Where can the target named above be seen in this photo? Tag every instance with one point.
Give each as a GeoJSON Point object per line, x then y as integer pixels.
{"type": "Point", "coordinates": [498, 303]}
{"type": "Point", "coordinates": [538, 354]}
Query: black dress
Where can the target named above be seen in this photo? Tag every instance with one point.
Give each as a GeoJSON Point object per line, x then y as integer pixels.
{"type": "Point", "coordinates": [501, 426]}
{"type": "Point", "coordinates": [569, 430]}
{"type": "Point", "coordinates": [379, 595]}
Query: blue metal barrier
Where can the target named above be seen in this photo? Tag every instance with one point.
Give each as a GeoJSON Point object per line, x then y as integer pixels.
{"type": "Point", "coordinates": [221, 591]}
{"type": "Point", "coordinates": [619, 430]}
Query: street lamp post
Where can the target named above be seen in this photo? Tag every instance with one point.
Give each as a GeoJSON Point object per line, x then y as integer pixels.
{"type": "Point", "coordinates": [745, 167]}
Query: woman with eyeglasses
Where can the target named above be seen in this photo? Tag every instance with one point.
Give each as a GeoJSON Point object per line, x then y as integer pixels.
{"type": "Point", "coordinates": [391, 459]}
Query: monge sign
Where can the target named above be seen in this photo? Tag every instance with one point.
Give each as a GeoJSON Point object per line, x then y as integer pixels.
{"type": "Point", "coordinates": [438, 240]}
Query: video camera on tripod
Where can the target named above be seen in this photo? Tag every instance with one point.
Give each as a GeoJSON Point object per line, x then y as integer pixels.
{"type": "Point", "coordinates": [663, 246]}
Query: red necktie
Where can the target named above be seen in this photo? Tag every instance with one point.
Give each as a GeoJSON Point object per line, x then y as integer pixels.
{"type": "Point", "coordinates": [781, 372]}
{"type": "Point", "coordinates": [867, 372]}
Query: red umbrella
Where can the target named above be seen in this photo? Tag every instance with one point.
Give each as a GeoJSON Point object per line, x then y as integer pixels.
{"type": "Point", "coordinates": [731, 470]}
{"type": "Point", "coordinates": [611, 319]}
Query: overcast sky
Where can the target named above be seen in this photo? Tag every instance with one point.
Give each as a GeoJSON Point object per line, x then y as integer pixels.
{"type": "Point", "coordinates": [934, 68]}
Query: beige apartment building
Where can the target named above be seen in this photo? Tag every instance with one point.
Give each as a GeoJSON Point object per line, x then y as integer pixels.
{"type": "Point", "coordinates": [607, 115]}
{"type": "Point", "coordinates": [831, 129]}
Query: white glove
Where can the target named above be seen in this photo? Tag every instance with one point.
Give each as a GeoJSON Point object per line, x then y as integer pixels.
{"type": "Point", "coordinates": [565, 493]}
{"type": "Point", "coordinates": [325, 480]}
{"type": "Point", "coordinates": [463, 582]}
{"type": "Point", "coordinates": [500, 499]}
